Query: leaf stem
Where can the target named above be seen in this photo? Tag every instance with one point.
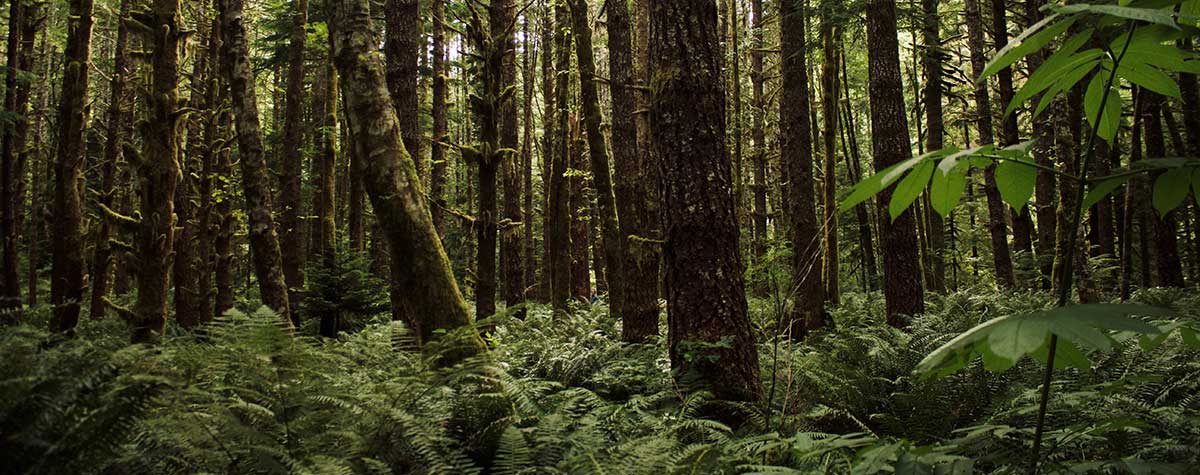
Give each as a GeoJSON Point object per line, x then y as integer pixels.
{"type": "Point", "coordinates": [1067, 276]}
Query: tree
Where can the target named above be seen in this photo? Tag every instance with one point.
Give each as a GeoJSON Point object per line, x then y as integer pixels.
{"type": "Point", "coordinates": [758, 151]}
{"type": "Point", "coordinates": [66, 285]}
{"type": "Point", "coordinates": [1167, 266]}
{"type": "Point", "coordinates": [264, 243]}
{"type": "Point", "coordinates": [796, 153]}
{"type": "Point", "coordinates": [401, 48]}
{"type": "Point", "coordinates": [291, 235]}
{"type": "Point", "coordinates": [931, 61]}
{"type": "Point", "coordinates": [390, 177]}
{"type": "Point", "coordinates": [10, 284]}
{"type": "Point", "coordinates": [997, 215]}
{"type": "Point", "coordinates": [706, 301]}
{"type": "Point", "coordinates": [606, 207]}
{"type": "Point", "coordinates": [633, 187]}
{"type": "Point", "coordinates": [559, 216]}
{"type": "Point", "coordinates": [889, 129]}
{"type": "Point", "coordinates": [437, 151]}
{"type": "Point", "coordinates": [502, 27]}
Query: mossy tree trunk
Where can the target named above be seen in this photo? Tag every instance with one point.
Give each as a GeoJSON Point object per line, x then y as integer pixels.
{"type": "Point", "coordinates": [390, 177]}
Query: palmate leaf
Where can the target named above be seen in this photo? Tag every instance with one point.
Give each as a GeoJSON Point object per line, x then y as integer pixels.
{"type": "Point", "coordinates": [1016, 181]}
{"type": "Point", "coordinates": [1150, 15]}
{"type": "Point", "coordinates": [1066, 59]}
{"type": "Point", "coordinates": [1098, 191]}
{"type": "Point", "coordinates": [1100, 94]}
{"type": "Point", "coordinates": [910, 188]}
{"type": "Point", "coordinates": [1032, 39]}
{"type": "Point", "coordinates": [1002, 341]}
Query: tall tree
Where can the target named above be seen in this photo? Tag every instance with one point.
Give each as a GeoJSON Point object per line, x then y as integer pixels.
{"type": "Point", "coordinates": [598, 154]}
{"type": "Point", "coordinates": [291, 236]}
{"type": "Point", "coordinates": [119, 108]}
{"type": "Point", "coordinates": [758, 150]}
{"type": "Point", "coordinates": [157, 167]}
{"type": "Point", "coordinates": [390, 177]}
{"type": "Point", "coordinates": [66, 280]}
{"type": "Point", "coordinates": [10, 284]}
{"type": "Point", "coordinates": [1167, 265]}
{"type": "Point", "coordinates": [1046, 182]}
{"type": "Point", "coordinates": [186, 269]}
{"type": "Point", "coordinates": [559, 217]}
{"type": "Point", "coordinates": [1009, 131]}
{"type": "Point", "coordinates": [401, 48]}
{"type": "Point", "coordinates": [931, 61]}
{"type": "Point", "coordinates": [511, 266]}
{"type": "Point", "coordinates": [889, 128]}
{"type": "Point", "coordinates": [997, 214]}
{"type": "Point", "coordinates": [529, 270]}
{"type": "Point", "coordinates": [437, 151]}
{"type": "Point", "coordinates": [830, 113]}
{"type": "Point", "coordinates": [706, 298]}
{"type": "Point", "coordinates": [796, 154]}
{"type": "Point", "coordinates": [632, 186]}
{"type": "Point", "coordinates": [264, 243]}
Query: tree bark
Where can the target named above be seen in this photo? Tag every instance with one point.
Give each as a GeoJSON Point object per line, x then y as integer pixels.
{"type": "Point", "coordinates": [1167, 265]}
{"type": "Point", "coordinates": [264, 244]}
{"type": "Point", "coordinates": [10, 284]}
{"type": "Point", "coordinates": [931, 61]}
{"type": "Point", "coordinates": [390, 179]}
{"type": "Point", "coordinates": [614, 259]}
{"type": "Point", "coordinates": [709, 328]}
{"type": "Point", "coordinates": [633, 189]}
{"type": "Point", "coordinates": [581, 214]}
{"type": "Point", "coordinates": [502, 24]}
{"type": "Point", "coordinates": [66, 287]}
{"type": "Point", "coordinates": [997, 214]}
{"type": "Point", "coordinates": [529, 261]}
{"type": "Point", "coordinates": [186, 270]}
{"type": "Point", "coordinates": [758, 151]}
{"type": "Point", "coordinates": [796, 155]}
{"type": "Point", "coordinates": [559, 239]}
{"type": "Point", "coordinates": [291, 236]}
{"type": "Point", "coordinates": [437, 152]}
{"type": "Point", "coordinates": [889, 126]}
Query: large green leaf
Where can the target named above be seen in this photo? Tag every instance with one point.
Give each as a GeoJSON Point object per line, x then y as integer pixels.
{"type": "Point", "coordinates": [1064, 60]}
{"type": "Point", "coordinates": [1151, 15]}
{"type": "Point", "coordinates": [1032, 39]}
{"type": "Point", "coordinates": [1016, 181]}
{"type": "Point", "coordinates": [1065, 81]}
{"type": "Point", "coordinates": [1002, 341]}
{"type": "Point", "coordinates": [910, 188]}
{"type": "Point", "coordinates": [1148, 77]}
{"type": "Point", "coordinates": [1170, 189]}
{"type": "Point", "coordinates": [947, 186]}
{"type": "Point", "coordinates": [1099, 94]}
{"type": "Point", "coordinates": [1098, 191]}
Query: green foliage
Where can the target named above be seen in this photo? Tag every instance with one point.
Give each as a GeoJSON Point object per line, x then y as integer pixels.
{"type": "Point", "coordinates": [563, 394]}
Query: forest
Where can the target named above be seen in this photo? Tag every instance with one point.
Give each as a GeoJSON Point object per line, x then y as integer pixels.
{"type": "Point", "coordinates": [506, 237]}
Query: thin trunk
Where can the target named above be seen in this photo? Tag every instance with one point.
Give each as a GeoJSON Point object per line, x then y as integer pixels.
{"type": "Point", "coordinates": [758, 150]}
{"type": "Point", "coordinates": [1009, 133]}
{"type": "Point", "coordinates": [264, 244]}
{"type": "Point", "coordinates": [549, 147]}
{"type": "Point", "coordinates": [997, 220]}
{"type": "Point", "coordinates": [511, 258]}
{"type": "Point", "coordinates": [635, 192]}
{"type": "Point", "coordinates": [529, 264]}
{"type": "Point", "coordinates": [889, 126]}
{"type": "Point", "coordinates": [10, 284]}
{"type": "Point", "coordinates": [598, 155]}
{"type": "Point", "coordinates": [796, 155]}
{"type": "Point", "coordinates": [186, 269]}
{"type": "Point", "coordinates": [291, 224]}
{"type": "Point", "coordinates": [437, 151]}
{"type": "Point", "coordinates": [1047, 183]}
{"type": "Point", "coordinates": [559, 239]}
{"type": "Point", "coordinates": [581, 214]}
{"type": "Point", "coordinates": [1163, 227]}
{"type": "Point", "coordinates": [931, 60]}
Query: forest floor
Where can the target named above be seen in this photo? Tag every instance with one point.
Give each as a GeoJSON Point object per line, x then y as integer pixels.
{"type": "Point", "coordinates": [564, 395]}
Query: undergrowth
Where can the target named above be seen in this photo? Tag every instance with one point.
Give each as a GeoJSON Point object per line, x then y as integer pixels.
{"type": "Point", "coordinates": [562, 394]}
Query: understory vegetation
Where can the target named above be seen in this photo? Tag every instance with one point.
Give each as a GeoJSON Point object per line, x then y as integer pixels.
{"type": "Point", "coordinates": [562, 394]}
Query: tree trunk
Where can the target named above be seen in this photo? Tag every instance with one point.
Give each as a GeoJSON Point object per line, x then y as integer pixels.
{"type": "Point", "coordinates": [997, 214]}
{"type": "Point", "coordinates": [390, 179]}
{"type": "Point", "coordinates": [889, 126]}
{"type": "Point", "coordinates": [10, 284]}
{"type": "Point", "coordinates": [862, 213]}
{"type": "Point", "coordinates": [598, 156]}
{"type": "Point", "coordinates": [66, 287]}
{"type": "Point", "coordinates": [1047, 183]}
{"type": "Point", "coordinates": [401, 48]}
{"type": "Point", "coordinates": [264, 244]}
{"type": "Point", "coordinates": [511, 258]}
{"type": "Point", "coordinates": [581, 214]}
{"type": "Point", "coordinates": [437, 152]}
{"type": "Point", "coordinates": [709, 328]}
{"type": "Point", "coordinates": [639, 308]}
{"type": "Point", "coordinates": [1166, 249]}
{"type": "Point", "coordinates": [1009, 133]}
{"type": "Point", "coordinates": [186, 271]}
{"type": "Point", "coordinates": [758, 151]}
{"type": "Point", "coordinates": [291, 225]}
{"type": "Point", "coordinates": [931, 60]}
{"type": "Point", "coordinates": [796, 155]}
{"type": "Point", "coordinates": [158, 174]}
{"type": "Point", "coordinates": [559, 219]}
